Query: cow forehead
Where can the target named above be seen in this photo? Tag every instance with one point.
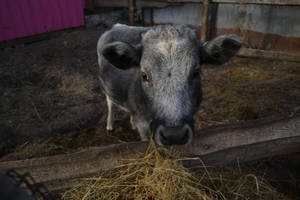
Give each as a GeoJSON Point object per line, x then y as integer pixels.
{"type": "Point", "coordinates": [169, 33]}
{"type": "Point", "coordinates": [171, 47]}
{"type": "Point", "coordinates": [173, 55]}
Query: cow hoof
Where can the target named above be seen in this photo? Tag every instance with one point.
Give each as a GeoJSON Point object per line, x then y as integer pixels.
{"type": "Point", "coordinates": [144, 139]}
{"type": "Point", "coordinates": [133, 127]}
{"type": "Point", "coordinates": [109, 128]}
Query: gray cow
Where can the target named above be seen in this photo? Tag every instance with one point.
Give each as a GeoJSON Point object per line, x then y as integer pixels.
{"type": "Point", "coordinates": [154, 74]}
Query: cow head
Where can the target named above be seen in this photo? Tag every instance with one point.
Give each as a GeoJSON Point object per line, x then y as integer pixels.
{"type": "Point", "coordinates": [169, 59]}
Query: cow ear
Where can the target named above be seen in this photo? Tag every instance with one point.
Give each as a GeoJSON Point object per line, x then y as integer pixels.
{"type": "Point", "coordinates": [122, 55]}
{"type": "Point", "coordinates": [220, 50]}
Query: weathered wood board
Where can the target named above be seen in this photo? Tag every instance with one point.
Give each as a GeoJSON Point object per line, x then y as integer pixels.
{"type": "Point", "coordinates": [164, 3]}
{"type": "Point", "coordinates": [274, 55]}
{"type": "Point", "coordinates": [213, 146]}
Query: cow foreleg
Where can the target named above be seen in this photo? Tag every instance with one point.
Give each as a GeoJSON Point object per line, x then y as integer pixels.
{"type": "Point", "coordinates": [110, 115]}
{"type": "Point", "coordinates": [132, 123]}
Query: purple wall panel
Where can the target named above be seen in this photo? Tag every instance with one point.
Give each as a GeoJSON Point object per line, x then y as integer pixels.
{"type": "Point", "coordinates": [20, 18]}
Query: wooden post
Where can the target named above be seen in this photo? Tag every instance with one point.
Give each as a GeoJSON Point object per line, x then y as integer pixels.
{"type": "Point", "coordinates": [151, 17]}
{"type": "Point", "coordinates": [213, 20]}
{"type": "Point", "coordinates": [204, 21]}
{"type": "Point", "coordinates": [131, 12]}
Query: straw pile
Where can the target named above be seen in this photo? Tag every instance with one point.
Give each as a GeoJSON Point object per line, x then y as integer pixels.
{"type": "Point", "coordinates": [159, 174]}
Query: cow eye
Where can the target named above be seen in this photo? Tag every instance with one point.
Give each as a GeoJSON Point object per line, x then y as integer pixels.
{"type": "Point", "coordinates": [144, 76]}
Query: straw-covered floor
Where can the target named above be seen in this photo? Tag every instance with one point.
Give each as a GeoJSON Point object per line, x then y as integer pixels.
{"type": "Point", "coordinates": [159, 174]}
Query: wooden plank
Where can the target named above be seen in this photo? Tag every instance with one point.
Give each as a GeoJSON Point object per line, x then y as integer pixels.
{"type": "Point", "coordinates": [214, 146]}
{"type": "Point", "coordinates": [131, 12]}
{"type": "Point", "coordinates": [112, 3]}
{"type": "Point", "coordinates": [151, 17]}
{"type": "Point", "coordinates": [274, 55]}
{"type": "Point", "coordinates": [156, 4]}
{"type": "Point", "coordinates": [89, 4]}
{"type": "Point", "coordinates": [164, 3]}
{"type": "Point", "coordinates": [272, 2]}
{"type": "Point", "coordinates": [124, 4]}
{"type": "Point", "coordinates": [241, 154]}
{"type": "Point", "coordinates": [204, 20]}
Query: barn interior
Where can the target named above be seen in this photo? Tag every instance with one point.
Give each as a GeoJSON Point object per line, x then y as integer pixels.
{"type": "Point", "coordinates": [52, 103]}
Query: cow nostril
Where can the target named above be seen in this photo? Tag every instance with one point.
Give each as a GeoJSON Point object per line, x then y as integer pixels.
{"type": "Point", "coordinates": [185, 137]}
{"type": "Point", "coordinates": [173, 135]}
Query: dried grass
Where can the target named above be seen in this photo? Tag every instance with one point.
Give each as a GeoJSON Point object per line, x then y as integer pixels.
{"type": "Point", "coordinates": [35, 149]}
{"type": "Point", "coordinates": [72, 85]}
{"type": "Point", "coordinates": [159, 174]}
{"type": "Point", "coordinates": [248, 89]}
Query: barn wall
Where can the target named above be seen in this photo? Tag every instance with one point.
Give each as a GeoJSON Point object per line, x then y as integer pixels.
{"type": "Point", "coordinates": [282, 20]}
{"type": "Point", "coordinates": [20, 18]}
{"type": "Point", "coordinates": [267, 27]}
{"type": "Point", "coordinates": [185, 14]}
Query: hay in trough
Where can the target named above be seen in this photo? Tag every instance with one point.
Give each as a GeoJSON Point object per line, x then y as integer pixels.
{"type": "Point", "coordinates": [159, 174]}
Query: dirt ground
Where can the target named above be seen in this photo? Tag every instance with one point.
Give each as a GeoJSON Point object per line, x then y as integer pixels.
{"type": "Point", "coordinates": [51, 101]}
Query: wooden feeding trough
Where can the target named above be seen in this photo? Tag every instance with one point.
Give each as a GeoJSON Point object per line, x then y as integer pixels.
{"type": "Point", "coordinates": [213, 146]}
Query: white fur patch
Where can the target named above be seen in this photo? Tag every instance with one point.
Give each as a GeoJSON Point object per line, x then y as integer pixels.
{"type": "Point", "coordinates": [163, 48]}
{"type": "Point", "coordinates": [172, 98]}
{"type": "Point", "coordinates": [110, 115]}
{"type": "Point", "coordinates": [174, 48]}
{"type": "Point", "coordinates": [172, 104]}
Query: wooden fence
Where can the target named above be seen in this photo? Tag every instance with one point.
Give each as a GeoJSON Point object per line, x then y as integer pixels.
{"type": "Point", "coordinates": [206, 25]}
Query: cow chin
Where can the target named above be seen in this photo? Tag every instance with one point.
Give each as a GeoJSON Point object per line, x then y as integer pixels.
{"type": "Point", "coordinates": [175, 135]}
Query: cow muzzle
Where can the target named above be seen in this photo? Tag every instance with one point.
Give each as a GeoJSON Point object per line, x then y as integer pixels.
{"type": "Point", "coordinates": [173, 135]}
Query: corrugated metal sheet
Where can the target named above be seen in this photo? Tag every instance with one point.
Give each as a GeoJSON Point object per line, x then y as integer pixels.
{"type": "Point", "coordinates": [20, 18]}
{"type": "Point", "coordinates": [265, 27]}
